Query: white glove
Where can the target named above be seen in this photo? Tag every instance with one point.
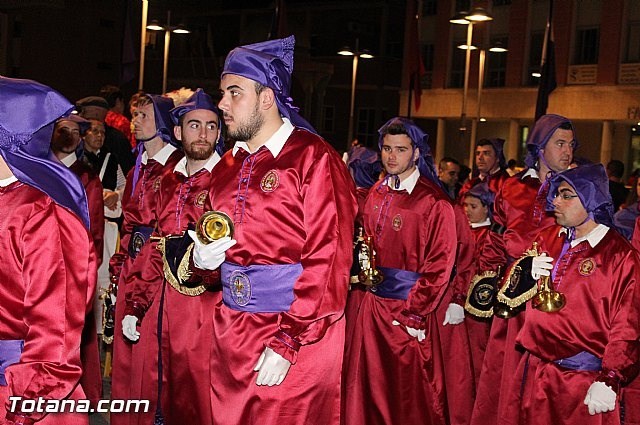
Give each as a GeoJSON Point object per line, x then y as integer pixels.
{"type": "Point", "coordinates": [600, 398]}
{"type": "Point", "coordinates": [454, 315]}
{"type": "Point", "coordinates": [416, 333]}
{"type": "Point", "coordinates": [272, 368]}
{"type": "Point", "coordinates": [541, 266]}
{"type": "Point", "coordinates": [129, 328]}
{"type": "Point", "coordinates": [210, 256]}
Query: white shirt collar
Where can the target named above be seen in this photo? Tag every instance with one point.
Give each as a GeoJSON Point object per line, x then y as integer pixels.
{"type": "Point", "coordinates": [161, 156]}
{"type": "Point", "coordinates": [275, 143]}
{"type": "Point", "coordinates": [593, 237]}
{"type": "Point", "coordinates": [181, 166]}
{"type": "Point", "coordinates": [6, 182]}
{"type": "Point", "coordinates": [407, 184]}
{"type": "Point", "coordinates": [486, 222]}
{"type": "Point", "coordinates": [69, 159]}
{"type": "Point", "coordinates": [531, 172]}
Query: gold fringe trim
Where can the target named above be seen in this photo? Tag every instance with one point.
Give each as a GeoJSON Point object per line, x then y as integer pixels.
{"type": "Point", "coordinates": [183, 272]}
{"type": "Point", "coordinates": [522, 298]}
{"type": "Point", "coordinates": [474, 281]}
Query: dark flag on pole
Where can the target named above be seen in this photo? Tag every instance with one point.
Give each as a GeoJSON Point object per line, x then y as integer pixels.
{"type": "Point", "coordinates": [416, 67]}
{"type": "Point", "coordinates": [547, 68]}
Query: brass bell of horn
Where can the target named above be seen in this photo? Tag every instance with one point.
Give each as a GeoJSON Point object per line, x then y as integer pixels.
{"type": "Point", "coordinates": [370, 276]}
{"type": "Point", "coordinates": [214, 225]}
{"type": "Point", "coordinates": [547, 299]}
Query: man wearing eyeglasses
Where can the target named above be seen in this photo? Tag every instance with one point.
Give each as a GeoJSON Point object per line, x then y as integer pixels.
{"type": "Point", "coordinates": [519, 214]}
{"type": "Point", "coordinates": [578, 357]}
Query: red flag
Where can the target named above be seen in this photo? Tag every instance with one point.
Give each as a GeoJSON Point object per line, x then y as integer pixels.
{"type": "Point", "coordinates": [415, 65]}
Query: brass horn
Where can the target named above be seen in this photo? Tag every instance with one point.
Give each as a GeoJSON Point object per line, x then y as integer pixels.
{"type": "Point", "coordinates": [547, 299]}
{"type": "Point", "coordinates": [214, 225]}
{"type": "Point", "coordinates": [370, 276]}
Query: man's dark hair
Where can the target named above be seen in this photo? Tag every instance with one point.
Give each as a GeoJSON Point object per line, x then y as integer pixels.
{"type": "Point", "coordinates": [395, 128]}
{"type": "Point", "coordinates": [486, 142]}
{"type": "Point", "coordinates": [566, 126]}
{"type": "Point", "coordinates": [448, 159]}
{"type": "Point", "coordinates": [512, 163]}
{"type": "Point", "coordinates": [615, 167]}
{"type": "Point", "coordinates": [111, 94]}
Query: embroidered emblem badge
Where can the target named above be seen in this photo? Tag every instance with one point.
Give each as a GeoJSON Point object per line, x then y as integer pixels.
{"type": "Point", "coordinates": [484, 294]}
{"type": "Point", "coordinates": [397, 222]}
{"type": "Point", "coordinates": [240, 288]}
{"type": "Point", "coordinates": [270, 181]}
{"type": "Point", "coordinates": [156, 184]}
{"type": "Point", "coordinates": [586, 267]}
{"type": "Point", "coordinates": [201, 199]}
{"type": "Point", "coordinates": [137, 241]}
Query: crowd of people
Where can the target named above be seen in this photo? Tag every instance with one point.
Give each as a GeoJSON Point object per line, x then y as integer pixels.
{"type": "Point", "coordinates": [241, 273]}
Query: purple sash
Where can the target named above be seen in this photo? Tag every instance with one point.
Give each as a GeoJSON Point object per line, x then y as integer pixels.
{"type": "Point", "coordinates": [397, 283]}
{"type": "Point", "coordinates": [259, 288]}
{"type": "Point", "coordinates": [10, 351]}
{"type": "Point", "coordinates": [581, 361]}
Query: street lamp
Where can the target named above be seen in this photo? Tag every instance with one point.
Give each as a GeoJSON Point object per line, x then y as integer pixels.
{"type": "Point", "coordinates": [168, 29]}
{"type": "Point", "coordinates": [496, 48]}
{"type": "Point", "coordinates": [476, 15]}
{"type": "Point", "coordinates": [356, 53]}
{"type": "Point", "coordinates": [143, 38]}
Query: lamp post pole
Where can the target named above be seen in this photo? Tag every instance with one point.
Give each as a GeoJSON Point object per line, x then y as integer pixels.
{"type": "Point", "coordinates": [354, 73]}
{"type": "Point", "coordinates": [167, 42]}
{"type": "Point", "coordinates": [465, 92]}
{"type": "Point", "coordinates": [476, 119]}
{"type": "Point", "coordinates": [143, 39]}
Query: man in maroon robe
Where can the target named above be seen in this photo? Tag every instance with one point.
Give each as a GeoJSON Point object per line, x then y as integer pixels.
{"type": "Point", "coordinates": [277, 345]}
{"type": "Point", "coordinates": [519, 214]}
{"type": "Point", "coordinates": [394, 371]}
{"type": "Point", "coordinates": [186, 308]}
{"type": "Point", "coordinates": [48, 261]}
{"type": "Point", "coordinates": [64, 143]}
{"type": "Point", "coordinates": [135, 367]}
{"type": "Point", "coordinates": [577, 358]}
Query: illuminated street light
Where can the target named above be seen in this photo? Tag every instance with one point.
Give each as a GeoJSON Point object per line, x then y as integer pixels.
{"type": "Point", "coordinates": [364, 54]}
{"type": "Point", "coordinates": [468, 18]}
{"type": "Point", "coordinates": [168, 29]}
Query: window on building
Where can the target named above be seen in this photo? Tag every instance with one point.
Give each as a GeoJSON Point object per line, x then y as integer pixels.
{"type": "Point", "coordinates": [328, 119]}
{"type": "Point", "coordinates": [496, 64]}
{"type": "Point", "coordinates": [587, 41]}
{"type": "Point", "coordinates": [633, 43]}
{"type": "Point", "coordinates": [366, 129]}
{"type": "Point", "coordinates": [458, 57]}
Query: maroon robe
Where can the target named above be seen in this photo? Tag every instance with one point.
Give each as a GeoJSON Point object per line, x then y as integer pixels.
{"type": "Point", "coordinates": [48, 277]}
{"type": "Point", "coordinates": [601, 316]}
{"type": "Point", "coordinates": [520, 208]}
{"type": "Point", "coordinates": [135, 366]}
{"type": "Point", "coordinates": [89, 350]}
{"type": "Point", "coordinates": [187, 326]}
{"type": "Point", "coordinates": [494, 181]}
{"type": "Point", "coordinates": [296, 207]}
{"type": "Point", "coordinates": [454, 339]}
{"type": "Point", "coordinates": [390, 377]}
{"type": "Point", "coordinates": [478, 327]}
